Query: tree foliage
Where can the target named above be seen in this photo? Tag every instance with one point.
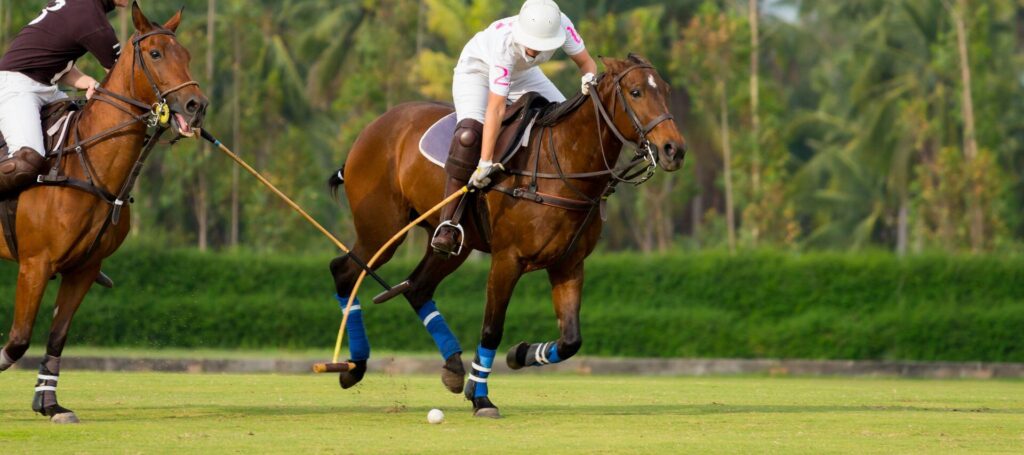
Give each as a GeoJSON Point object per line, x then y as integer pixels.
{"type": "Point", "coordinates": [861, 114]}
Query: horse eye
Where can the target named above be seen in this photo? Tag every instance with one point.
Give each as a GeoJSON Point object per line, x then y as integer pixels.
{"type": "Point", "coordinates": [155, 54]}
{"type": "Point", "coordinates": [635, 93]}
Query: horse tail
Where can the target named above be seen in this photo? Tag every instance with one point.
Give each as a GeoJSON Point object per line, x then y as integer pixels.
{"type": "Point", "coordinates": [336, 180]}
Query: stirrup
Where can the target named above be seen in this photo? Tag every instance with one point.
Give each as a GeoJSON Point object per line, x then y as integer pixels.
{"type": "Point", "coordinates": [462, 236]}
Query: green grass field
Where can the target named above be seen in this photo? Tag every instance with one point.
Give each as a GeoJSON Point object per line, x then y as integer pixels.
{"type": "Point", "coordinates": [147, 413]}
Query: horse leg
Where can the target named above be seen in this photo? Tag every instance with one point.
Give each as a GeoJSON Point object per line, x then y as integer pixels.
{"type": "Point", "coordinates": [424, 280]}
{"type": "Point", "coordinates": [566, 288]}
{"type": "Point", "coordinates": [345, 272]}
{"type": "Point", "coordinates": [33, 275]}
{"type": "Point", "coordinates": [505, 273]}
{"type": "Point", "coordinates": [73, 287]}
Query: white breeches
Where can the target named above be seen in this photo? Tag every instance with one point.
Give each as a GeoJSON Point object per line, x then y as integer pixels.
{"type": "Point", "coordinates": [470, 91]}
{"type": "Point", "coordinates": [21, 99]}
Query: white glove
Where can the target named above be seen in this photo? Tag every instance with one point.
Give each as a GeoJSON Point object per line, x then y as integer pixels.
{"type": "Point", "coordinates": [484, 170]}
{"type": "Point", "coordinates": [588, 81]}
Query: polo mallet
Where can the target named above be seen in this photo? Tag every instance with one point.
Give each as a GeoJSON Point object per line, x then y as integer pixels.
{"type": "Point", "coordinates": [334, 366]}
{"type": "Point", "coordinates": [389, 290]}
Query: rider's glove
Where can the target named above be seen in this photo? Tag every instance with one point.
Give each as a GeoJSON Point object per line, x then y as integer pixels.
{"type": "Point", "coordinates": [588, 81]}
{"type": "Point", "coordinates": [482, 176]}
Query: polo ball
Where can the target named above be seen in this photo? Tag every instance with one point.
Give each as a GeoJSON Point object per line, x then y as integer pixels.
{"type": "Point", "coordinates": [435, 416]}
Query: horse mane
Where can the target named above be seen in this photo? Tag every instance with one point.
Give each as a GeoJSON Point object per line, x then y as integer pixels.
{"type": "Point", "coordinates": [554, 113]}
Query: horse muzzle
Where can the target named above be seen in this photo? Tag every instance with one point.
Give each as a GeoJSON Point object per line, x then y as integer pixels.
{"type": "Point", "coordinates": [670, 155]}
{"type": "Point", "coordinates": [188, 115]}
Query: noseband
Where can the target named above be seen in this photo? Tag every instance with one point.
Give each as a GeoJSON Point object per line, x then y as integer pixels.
{"type": "Point", "coordinates": [644, 151]}
{"type": "Point", "coordinates": [159, 113]}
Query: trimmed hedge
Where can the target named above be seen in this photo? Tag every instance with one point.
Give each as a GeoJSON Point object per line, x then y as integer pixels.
{"type": "Point", "coordinates": [708, 304]}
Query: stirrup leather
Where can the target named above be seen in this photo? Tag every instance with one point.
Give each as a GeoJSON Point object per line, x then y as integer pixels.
{"type": "Point", "coordinates": [458, 227]}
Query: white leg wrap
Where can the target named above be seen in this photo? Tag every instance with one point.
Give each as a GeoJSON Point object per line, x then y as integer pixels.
{"type": "Point", "coordinates": [5, 361]}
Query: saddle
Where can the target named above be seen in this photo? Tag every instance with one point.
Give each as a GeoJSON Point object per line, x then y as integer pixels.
{"type": "Point", "coordinates": [57, 119]}
{"type": "Point", "coordinates": [516, 129]}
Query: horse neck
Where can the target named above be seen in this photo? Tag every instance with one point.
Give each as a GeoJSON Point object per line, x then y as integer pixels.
{"type": "Point", "coordinates": [112, 157]}
{"type": "Point", "coordinates": [578, 149]}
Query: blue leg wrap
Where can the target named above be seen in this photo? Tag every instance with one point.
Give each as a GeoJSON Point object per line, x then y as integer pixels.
{"type": "Point", "coordinates": [358, 344]}
{"type": "Point", "coordinates": [481, 370]}
{"type": "Point", "coordinates": [443, 337]}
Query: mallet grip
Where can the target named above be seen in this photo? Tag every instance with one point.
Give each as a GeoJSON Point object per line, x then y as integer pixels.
{"type": "Point", "coordinates": [333, 367]}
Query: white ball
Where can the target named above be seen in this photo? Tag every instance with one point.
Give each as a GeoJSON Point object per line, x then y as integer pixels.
{"type": "Point", "coordinates": [435, 416]}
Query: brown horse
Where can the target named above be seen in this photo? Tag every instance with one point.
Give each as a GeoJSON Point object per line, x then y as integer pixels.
{"type": "Point", "coordinates": [542, 214]}
{"type": "Point", "coordinates": [69, 230]}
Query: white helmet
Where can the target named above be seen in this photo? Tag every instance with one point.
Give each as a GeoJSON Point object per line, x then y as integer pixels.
{"type": "Point", "coordinates": [539, 26]}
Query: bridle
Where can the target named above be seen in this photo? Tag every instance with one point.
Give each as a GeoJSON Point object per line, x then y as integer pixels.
{"type": "Point", "coordinates": [155, 117]}
{"type": "Point", "coordinates": [637, 171]}
{"type": "Point", "coordinates": [157, 114]}
{"type": "Point", "coordinates": [644, 150]}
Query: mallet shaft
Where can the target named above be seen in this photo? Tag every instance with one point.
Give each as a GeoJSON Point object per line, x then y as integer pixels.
{"type": "Point", "coordinates": [206, 135]}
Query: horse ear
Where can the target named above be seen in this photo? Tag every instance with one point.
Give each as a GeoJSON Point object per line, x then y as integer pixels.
{"type": "Point", "coordinates": [142, 24]}
{"type": "Point", "coordinates": [175, 21]}
{"type": "Point", "coordinates": [613, 66]}
{"type": "Point", "coordinates": [637, 59]}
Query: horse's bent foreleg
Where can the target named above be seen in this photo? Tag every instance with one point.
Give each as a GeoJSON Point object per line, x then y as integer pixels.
{"type": "Point", "coordinates": [424, 281]}
{"type": "Point", "coordinates": [33, 274]}
{"type": "Point", "coordinates": [73, 287]}
{"type": "Point", "coordinates": [566, 290]}
{"type": "Point", "coordinates": [505, 273]}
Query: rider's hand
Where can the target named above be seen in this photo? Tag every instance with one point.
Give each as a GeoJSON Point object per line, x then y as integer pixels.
{"type": "Point", "coordinates": [588, 81]}
{"type": "Point", "coordinates": [482, 176]}
{"type": "Point", "coordinates": [91, 90]}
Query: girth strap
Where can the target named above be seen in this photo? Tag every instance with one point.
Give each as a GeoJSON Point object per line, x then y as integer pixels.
{"type": "Point", "coordinates": [546, 199]}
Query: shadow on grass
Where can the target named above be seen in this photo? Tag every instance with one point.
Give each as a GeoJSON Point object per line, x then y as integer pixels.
{"type": "Point", "coordinates": [230, 411]}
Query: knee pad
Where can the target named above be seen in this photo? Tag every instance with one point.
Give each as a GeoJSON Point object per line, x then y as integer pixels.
{"type": "Point", "coordinates": [464, 154]}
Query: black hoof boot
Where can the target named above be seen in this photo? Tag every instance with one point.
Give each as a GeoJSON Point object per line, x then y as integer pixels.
{"type": "Point", "coordinates": [453, 373]}
{"type": "Point", "coordinates": [516, 357]}
{"type": "Point", "coordinates": [353, 376]}
{"type": "Point", "coordinates": [482, 406]}
{"type": "Point", "coordinates": [56, 412]}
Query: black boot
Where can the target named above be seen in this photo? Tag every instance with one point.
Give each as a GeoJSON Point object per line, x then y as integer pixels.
{"type": "Point", "coordinates": [449, 235]}
{"type": "Point", "coordinates": [20, 170]}
{"type": "Point", "coordinates": [463, 156]}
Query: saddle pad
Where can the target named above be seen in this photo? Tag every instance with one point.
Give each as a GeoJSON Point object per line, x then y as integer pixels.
{"type": "Point", "coordinates": [435, 142]}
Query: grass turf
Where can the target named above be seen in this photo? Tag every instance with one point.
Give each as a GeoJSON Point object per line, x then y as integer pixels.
{"type": "Point", "coordinates": [179, 413]}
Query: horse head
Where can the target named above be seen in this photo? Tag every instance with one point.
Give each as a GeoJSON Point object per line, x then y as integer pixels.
{"type": "Point", "coordinates": [644, 115]}
{"type": "Point", "coordinates": [160, 72]}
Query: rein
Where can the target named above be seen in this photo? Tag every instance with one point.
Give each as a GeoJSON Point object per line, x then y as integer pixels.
{"type": "Point", "coordinates": [156, 117]}
{"type": "Point", "coordinates": [637, 171]}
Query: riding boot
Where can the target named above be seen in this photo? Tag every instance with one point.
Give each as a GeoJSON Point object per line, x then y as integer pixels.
{"type": "Point", "coordinates": [463, 157]}
{"type": "Point", "coordinates": [19, 170]}
{"type": "Point", "coordinates": [448, 237]}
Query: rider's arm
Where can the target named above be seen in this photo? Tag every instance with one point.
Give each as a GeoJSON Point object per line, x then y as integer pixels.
{"type": "Point", "coordinates": [492, 122]}
{"type": "Point", "coordinates": [585, 62]}
{"type": "Point", "coordinates": [77, 79]}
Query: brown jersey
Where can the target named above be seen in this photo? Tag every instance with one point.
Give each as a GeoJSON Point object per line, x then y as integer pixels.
{"type": "Point", "coordinates": [46, 49]}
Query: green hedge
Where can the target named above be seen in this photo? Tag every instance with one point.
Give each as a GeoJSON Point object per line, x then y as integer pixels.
{"type": "Point", "coordinates": [823, 305]}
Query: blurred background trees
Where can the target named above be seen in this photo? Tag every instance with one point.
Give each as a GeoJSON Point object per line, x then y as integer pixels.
{"type": "Point", "coordinates": [883, 124]}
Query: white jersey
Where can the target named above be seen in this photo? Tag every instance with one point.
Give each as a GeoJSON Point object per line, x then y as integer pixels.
{"type": "Point", "coordinates": [494, 53]}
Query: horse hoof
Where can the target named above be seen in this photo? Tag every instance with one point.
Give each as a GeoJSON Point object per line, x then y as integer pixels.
{"type": "Point", "coordinates": [353, 376]}
{"type": "Point", "coordinates": [64, 418]}
{"type": "Point", "coordinates": [453, 374]}
{"type": "Point", "coordinates": [516, 357]}
{"type": "Point", "coordinates": [487, 413]}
